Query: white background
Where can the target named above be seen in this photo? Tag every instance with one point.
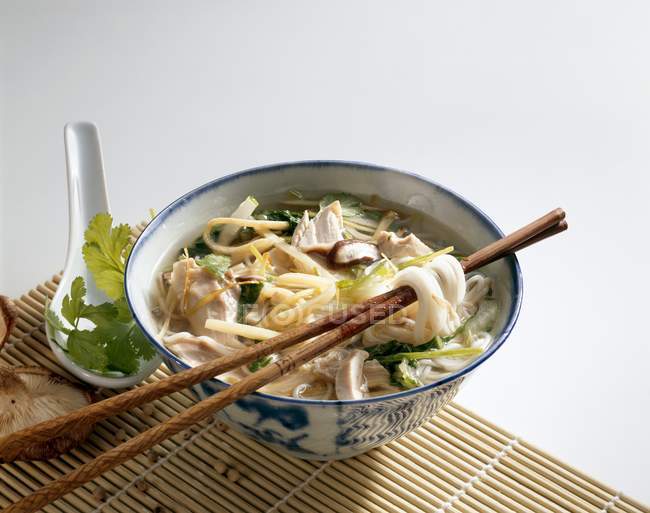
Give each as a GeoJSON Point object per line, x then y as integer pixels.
{"type": "Point", "coordinates": [520, 106]}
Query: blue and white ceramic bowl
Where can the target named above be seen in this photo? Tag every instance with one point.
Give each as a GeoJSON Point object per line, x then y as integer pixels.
{"type": "Point", "coordinates": [309, 428]}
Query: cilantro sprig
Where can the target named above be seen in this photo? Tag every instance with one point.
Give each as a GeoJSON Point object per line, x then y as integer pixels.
{"type": "Point", "coordinates": [102, 338]}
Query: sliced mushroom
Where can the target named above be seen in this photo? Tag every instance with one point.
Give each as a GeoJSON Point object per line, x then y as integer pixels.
{"type": "Point", "coordinates": [8, 316]}
{"type": "Point", "coordinates": [29, 395]}
{"type": "Point", "coordinates": [349, 378]}
{"type": "Point", "coordinates": [346, 253]}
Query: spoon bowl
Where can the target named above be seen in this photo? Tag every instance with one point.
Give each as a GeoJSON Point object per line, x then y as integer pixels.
{"type": "Point", "coordinates": [86, 197]}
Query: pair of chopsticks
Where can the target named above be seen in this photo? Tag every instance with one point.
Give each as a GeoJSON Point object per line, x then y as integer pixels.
{"type": "Point", "coordinates": [333, 330]}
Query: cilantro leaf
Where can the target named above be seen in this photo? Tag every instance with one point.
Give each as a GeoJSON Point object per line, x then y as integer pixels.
{"type": "Point", "coordinates": [141, 345]}
{"type": "Point", "coordinates": [121, 355]}
{"type": "Point", "coordinates": [350, 205]}
{"type": "Point", "coordinates": [216, 264]}
{"type": "Point", "coordinates": [100, 314]}
{"type": "Point", "coordinates": [123, 312]}
{"type": "Point", "coordinates": [73, 303]}
{"type": "Point", "coordinates": [54, 322]}
{"type": "Point", "coordinates": [74, 307]}
{"type": "Point", "coordinates": [116, 343]}
{"type": "Point", "coordinates": [105, 253]}
{"type": "Point", "coordinates": [87, 350]}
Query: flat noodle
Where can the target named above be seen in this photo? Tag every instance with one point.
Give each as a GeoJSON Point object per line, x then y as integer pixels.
{"type": "Point", "coordinates": [257, 224]}
{"type": "Point", "coordinates": [242, 330]}
{"type": "Point", "coordinates": [238, 253]}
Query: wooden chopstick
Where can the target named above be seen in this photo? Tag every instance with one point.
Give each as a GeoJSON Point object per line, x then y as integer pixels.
{"type": "Point", "coordinates": [513, 242]}
{"type": "Point", "coordinates": [545, 234]}
{"type": "Point", "coordinates": [200, 411]}
{"type": "Point", "coordinates": [12, 445]}
{"type": "Point", "coordinates": [375, 312]}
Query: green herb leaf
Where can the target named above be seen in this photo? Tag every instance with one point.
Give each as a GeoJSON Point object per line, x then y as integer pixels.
{"type": "Point", "coordinates": [216, 264]}
{"type": "Point", "coordinates": [85, 349]}
{"type": "Point", "coordinates": [350, 205]}
{"type": "Point", "coordinates": [365, 285]}
{"type": "Point", "coordinates": [74, 307]}
{"type": "Point", "coordinates": [73, 303]}
{"type": "Point", "coordinates": [393, 347]}
{"type": "Point", "coordinates": [421, 260]}
{"type": "Point", "coordinates": [116, 343]}
{"type": "Point", "coordinates": [100, 314]}
{"type": "Point", "coordinates": [105, 251]}
{"type": "Point", "coordinates": [54, 322]}
{"type": "Point", "coordinates": [290, 216]}
{"type": "Point", "coordinates": [259, 363]}
{"type": "Point", "coordinates": [123, 312]}
{"type": "Point", "coordinates": [250, 292]}
{"type": "Point", "coordinates": [405, 375]}
{"type": "Point", "coordinates": [460, 352]}
{"type": "Point", "coordinates": [199, 248]}
{"type": "Point", "coordinates": [248, 295]}
{"type": "Point", "coordinates": [125, 345]}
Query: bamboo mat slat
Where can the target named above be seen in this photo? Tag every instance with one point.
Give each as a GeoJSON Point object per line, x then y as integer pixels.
{"type": "Point", "coordinates": [457, 462]}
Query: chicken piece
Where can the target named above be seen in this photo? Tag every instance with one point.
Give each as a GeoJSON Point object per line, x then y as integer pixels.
{"type": "Point", "coordinates": [346, 253]}
{"type": "Point", "coordinates": [349, 382]}
{"type": "Point", "coordinates": [321, 233]}
{"type": "Point", "coordinates": [394, 246]}
{"type": "Point", "coordinates": [195, 350]}
{"type": "Point", "coordinates": [328, 364]}
{"type": "Point", "coordinates": [201, 283]}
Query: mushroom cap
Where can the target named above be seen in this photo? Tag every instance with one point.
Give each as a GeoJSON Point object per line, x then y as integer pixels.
{"type": "Point", "coordinates": [8, 314]}
{"type": "Point", "coordinates": [29, 395]}
{"type": "Point", "coordinates": [349, 252]}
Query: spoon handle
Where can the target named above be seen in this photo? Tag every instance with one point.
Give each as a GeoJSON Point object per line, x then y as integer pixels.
{"type": "Point", "coordinates": [86, 183]}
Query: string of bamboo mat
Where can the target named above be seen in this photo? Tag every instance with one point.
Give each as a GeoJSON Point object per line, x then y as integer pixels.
{"type": "Point", "coordinates": [428, 469]}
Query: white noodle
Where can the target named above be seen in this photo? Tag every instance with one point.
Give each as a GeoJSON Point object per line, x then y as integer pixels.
{"type": "Point", "coordinates": [242, 330]}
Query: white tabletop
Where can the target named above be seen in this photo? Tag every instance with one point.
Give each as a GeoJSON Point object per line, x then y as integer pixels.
{"type": "Point", "coordinates": [519, 106]}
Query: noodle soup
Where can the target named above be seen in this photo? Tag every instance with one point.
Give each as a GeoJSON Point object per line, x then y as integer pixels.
{"type": "Point", "coordinates": [273, 266]}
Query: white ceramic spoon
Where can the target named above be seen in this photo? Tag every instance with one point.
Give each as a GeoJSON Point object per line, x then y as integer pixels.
{"type": "Point", "coordinates": [86, 198]}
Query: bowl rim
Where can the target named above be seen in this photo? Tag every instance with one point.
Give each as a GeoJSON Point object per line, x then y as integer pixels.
{"type": "Point", "coordinates": [311, 166]}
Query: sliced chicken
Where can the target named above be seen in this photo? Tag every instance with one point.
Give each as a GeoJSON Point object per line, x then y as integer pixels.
{"type": "Point", "coordinates": [195, 350]}
{"type": "Point", "coordinates": [200, 284]}
{"type": "Point", "coordinates": [346, 253]}
{"type": "Point", "coordinates": [349, 378]}
{"type": "Point", "coordinates": [321, 233]}
{"type": "Point", "coordinates": [394, 246]}
{"type": "Point", "coordinates": [329, 364]}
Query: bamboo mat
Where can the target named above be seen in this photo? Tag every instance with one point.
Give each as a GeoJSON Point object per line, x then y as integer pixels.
{"type": "Point", "coordinates": [457, 462]}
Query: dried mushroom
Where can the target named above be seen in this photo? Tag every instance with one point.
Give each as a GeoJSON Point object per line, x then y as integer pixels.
{"type": "Point", "coordinates": [349, 252]}
{"type": "Point", "coordinates": [29, 395]}
{"type": "Point", "coordinates": [8, 316]}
